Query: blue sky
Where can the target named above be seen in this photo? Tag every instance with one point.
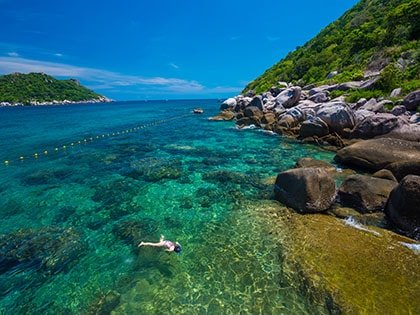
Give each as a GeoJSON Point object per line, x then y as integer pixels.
{"type": "Point", "coordinates": [168, 49]}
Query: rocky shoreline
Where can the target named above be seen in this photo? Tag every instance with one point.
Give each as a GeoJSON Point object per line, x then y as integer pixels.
{"type": "Point", "coordinates": [55, 102]}
{"type": "Point", "coordinates": [380, 137]}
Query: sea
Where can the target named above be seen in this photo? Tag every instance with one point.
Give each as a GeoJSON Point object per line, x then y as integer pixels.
{"type": "Point", "coordinates": [82, 185]}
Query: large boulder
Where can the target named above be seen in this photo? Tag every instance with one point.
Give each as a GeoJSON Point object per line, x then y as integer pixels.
{"type": "Point", "coordinates": [412, 100]}
{"type": "Point", "coordinates": [376, 154]}
{"type": "Point", "coordinates": [314, 163]}
{"type": "Point", "coordinates": [224, 115]}
{"type": "Point", "coordinates": [403, 206]}
{"type": "Point", "coordinates": [410, 132]}
{"type": "Point", "coordinates": [320, 97]}
{"type": "Point", "coordinates": [257, 102]}
{"type": "Point", "coordinates": [289, 97]}
{"type": "Point", "coordinates": [306, 190]}
{"type": "Point", "coordinates": [376, 125]}
{"type": "Point", "coordinates": [230, 103]}
{"type": "Point", "coordinates": [253, 111]}
{"type": "Point", "coordinates": [314, 126]}
{"type": "Point", "coordinates": [337, 116]}
{"type": "Point", "coordinates": [364, 193]}
{"type": "Point", "coordinates": [401, 169]}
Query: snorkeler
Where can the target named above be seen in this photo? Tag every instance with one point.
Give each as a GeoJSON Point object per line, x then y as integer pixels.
{"type": "Point", "coordinates": [170, 246]}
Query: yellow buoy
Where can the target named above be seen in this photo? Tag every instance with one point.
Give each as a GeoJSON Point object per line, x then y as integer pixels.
{"type": "Point", "coordinates": [56, 149]}
{"type": "Point", "coordinates": [64, 147]}
{"type": "Point", "coordinates": [36, 155]}
{"type": "Point", "coordinates": [45, 152]}
{"type": "Point", "coordinates": [6, 162]}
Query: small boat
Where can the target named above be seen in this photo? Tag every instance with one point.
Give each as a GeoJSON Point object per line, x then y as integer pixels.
{"type": "Point", "coordinates": [198, 111]}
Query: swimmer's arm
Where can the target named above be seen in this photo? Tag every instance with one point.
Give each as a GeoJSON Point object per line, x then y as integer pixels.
{"type": "Point", "coordinates": [150, 244]}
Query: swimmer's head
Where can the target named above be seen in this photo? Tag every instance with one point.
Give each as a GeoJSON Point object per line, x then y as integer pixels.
{"type": "Point", "coordinates": [177, 248]}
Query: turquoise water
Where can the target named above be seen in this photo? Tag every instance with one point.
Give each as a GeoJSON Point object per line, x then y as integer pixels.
{"type": "Point", "coordinates": [83, 184]}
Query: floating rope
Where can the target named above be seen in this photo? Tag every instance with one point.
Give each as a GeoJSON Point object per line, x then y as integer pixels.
{"type": "Point", "coordinates": [87, 140]}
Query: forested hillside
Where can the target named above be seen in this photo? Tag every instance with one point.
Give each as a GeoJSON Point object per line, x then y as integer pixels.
{"type": "Point", "coordinates": [40, 87]}
{"type": "Point", "coordinates": [375, 35]}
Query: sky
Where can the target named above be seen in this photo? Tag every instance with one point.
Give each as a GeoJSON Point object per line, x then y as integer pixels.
{"type": "Point", "coordinates": [167, 49]}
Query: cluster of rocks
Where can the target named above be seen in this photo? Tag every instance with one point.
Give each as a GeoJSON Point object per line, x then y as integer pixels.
{"type": "Point", "coordinates": [393, 189]}
{"type": "Point", "coordinates": [310, 114]}
{"type": "Point", "coordinates": [101, 99]}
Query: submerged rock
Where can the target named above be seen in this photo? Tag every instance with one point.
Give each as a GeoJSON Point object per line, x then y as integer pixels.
{"type": "Point", "coordinates": [349, 267]}
{"type": "Point", "coordinates": [154, 169]}
{"type": "Point", "coordinates": [47, 249]}
{"type": "Point", "coordinates": [365, 193]}
{"type": "Point", "coordinates": [306, 190]}
{"type": "Point", "coordinates": [403, 207]}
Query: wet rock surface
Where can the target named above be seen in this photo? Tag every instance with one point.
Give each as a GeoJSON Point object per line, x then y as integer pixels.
{"type": "Point", "coordinates": [365, 193]}
{"type": "Point", "coordinates": [306, 190]}
{"type": "Point", "coordinates": [352, 269]}
{"type": "Point", "coordinates": [403, 207]}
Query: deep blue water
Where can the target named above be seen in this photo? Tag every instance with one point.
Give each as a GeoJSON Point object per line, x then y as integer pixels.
{"type": "Point", "coordinates": [83, 184]}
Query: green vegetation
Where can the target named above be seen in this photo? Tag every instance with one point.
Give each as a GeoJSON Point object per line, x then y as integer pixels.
{"type": "Point", "coordinates": [39, 87]}
{"type": "Point", "coordinates": [375, 35]}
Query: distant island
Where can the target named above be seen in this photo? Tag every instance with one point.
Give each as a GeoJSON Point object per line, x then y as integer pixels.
{"type": "Point", "coordinates": [42, 89]}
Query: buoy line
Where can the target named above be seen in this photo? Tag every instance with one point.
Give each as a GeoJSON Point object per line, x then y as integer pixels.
{"type": "Point", "coordinates": [61, 148]}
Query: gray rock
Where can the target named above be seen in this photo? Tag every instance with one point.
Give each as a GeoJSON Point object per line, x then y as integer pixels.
{"type": "Point", "coordinates": [359, 104]}
{"type": "Point", "coordinates": [289, 97]}
{"type": "Point", "coordinates": [337, 116]}
{"type": "Point", "coordinates": [229, 103]}
{"type": "Point", "coordinates": [321, 88]}
{"type": "Point", "coordinates": [320, 97]}
{"type": "Point", "coordinates": [396, 92]}
{"type": "Point", "coordinates": [376, 125]}
{"type": "Point", "coordinates": [403, 206]}
{"type": "Point", "coordinates": [332, 74]}
{"type": "Point", "coordinates": [376, 154]}
{"type": "Point", "coordinates": [313, 127]}
{"type": "Point", "coordinates": [412, 100]}
{"type": "Point", "coordinates": [410, 132]}
{"type": "Point", "coordinates": [306, 190]}
{"type": "Point", "coordinates": [369, 84]}
{"type": "Point", "coordinates": [364, 193]}
{"type": "Point", "coordinates": [361, 114]}
{"type": "Point", "coordinates": [415, 119]}
{"type": "Point", "coordinates": [398, 110]}
{"type": "Point", "coordinates": [373, 106]}
{"type": "Point", "coordinates": [347, 86]}
{"type": "Point", "coordinates": [256, 102]}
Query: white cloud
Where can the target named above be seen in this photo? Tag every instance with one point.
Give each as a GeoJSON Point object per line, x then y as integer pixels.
{"type": "Point", "coordinates": [99, 79]}
{"type": "Point", "coordinates": [104, 78]}
{"type": "Point", "coordinates": [13, 54]}
{"type": "Point", "coordinates": [58, 55]}
{"type": "Point", "coordinates": [173, 65]}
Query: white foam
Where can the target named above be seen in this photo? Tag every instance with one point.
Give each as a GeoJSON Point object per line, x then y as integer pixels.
{"type": "Point", "coordinates": [353, 223]}
{"type": "Point", "coordinates": [414, 247]}
{"type": "Point", "coordinates": [252, 126]}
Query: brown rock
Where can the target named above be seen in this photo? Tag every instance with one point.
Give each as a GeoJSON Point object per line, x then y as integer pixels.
{"type": "Point", "coordinates": [403, 207]}
{"type": "Point", "coordinates": [376, 154]}
{"type": "Point", "coordinates": [365, 193]}
{"type": "Point", "coordinates": [307, 190]}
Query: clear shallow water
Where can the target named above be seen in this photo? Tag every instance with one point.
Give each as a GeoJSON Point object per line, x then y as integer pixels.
{"type": "Point", "coordinates": [145, 169]}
